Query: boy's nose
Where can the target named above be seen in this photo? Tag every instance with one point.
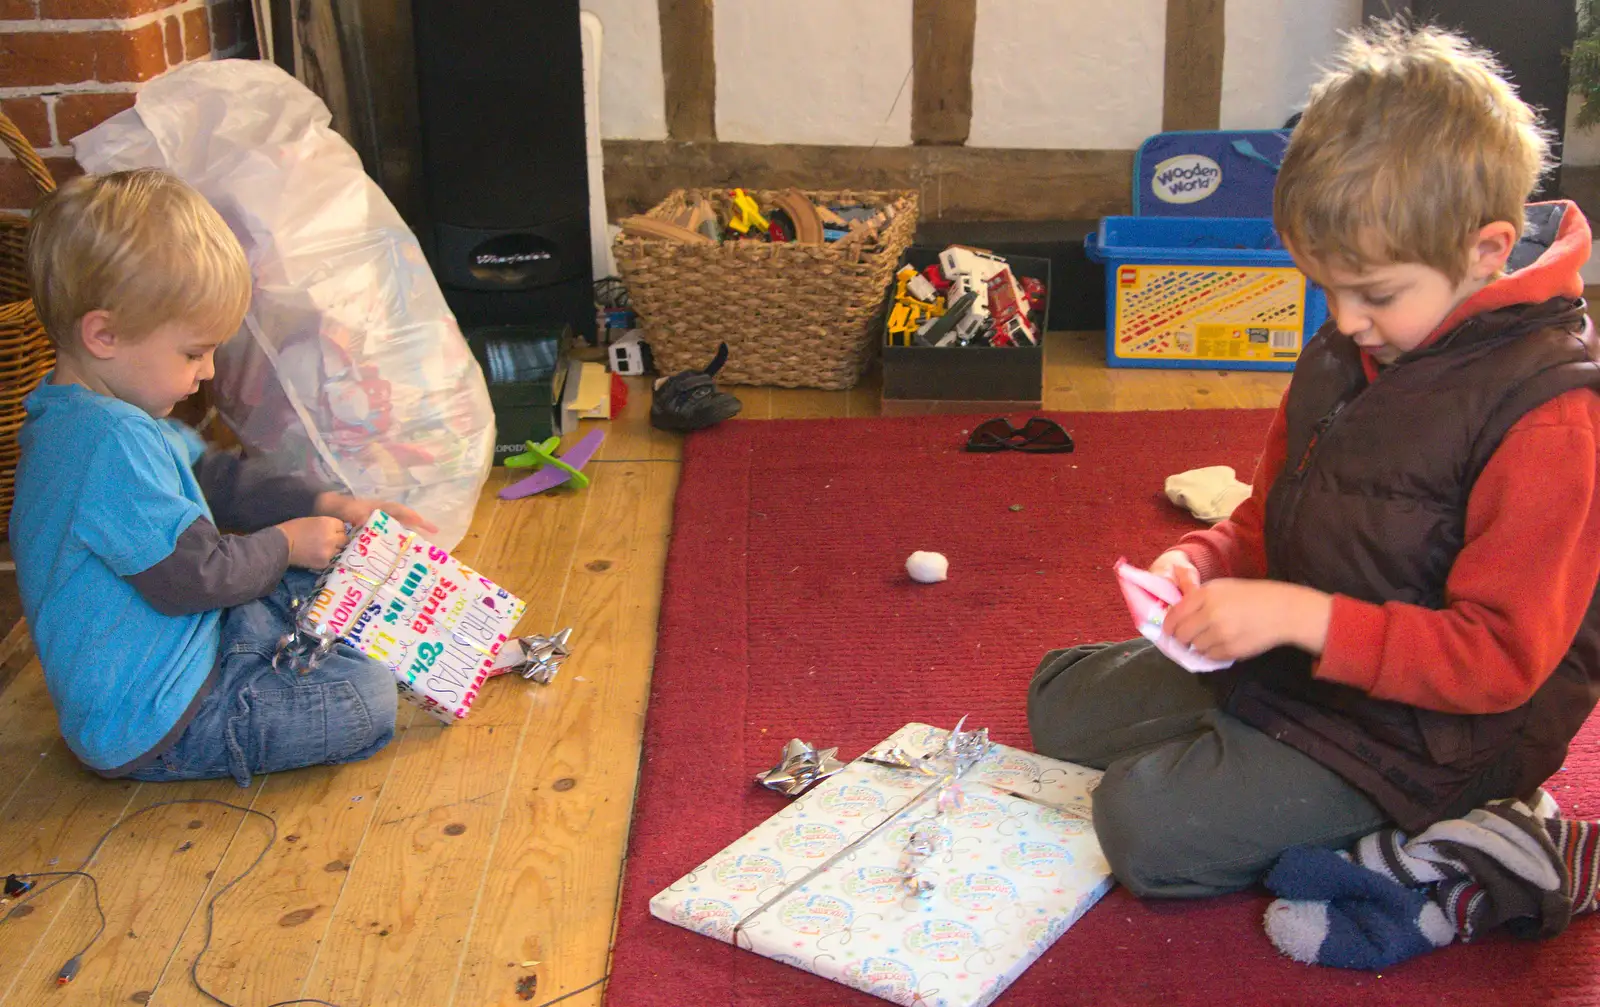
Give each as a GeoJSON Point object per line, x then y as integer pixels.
{"type": "Point", "coordinates": [1350, 322]}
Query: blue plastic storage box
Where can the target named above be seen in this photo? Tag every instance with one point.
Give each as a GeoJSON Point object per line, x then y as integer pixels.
{"type": "Point", "coordinates": [1218, 293]}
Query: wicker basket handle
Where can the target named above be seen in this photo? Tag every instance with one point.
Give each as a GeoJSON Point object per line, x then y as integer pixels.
{"type": "Point", "coordinates": [29, 158]}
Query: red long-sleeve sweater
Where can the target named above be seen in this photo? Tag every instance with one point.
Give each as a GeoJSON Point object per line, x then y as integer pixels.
{"type": "Point", "coordinates": [1524, 578]}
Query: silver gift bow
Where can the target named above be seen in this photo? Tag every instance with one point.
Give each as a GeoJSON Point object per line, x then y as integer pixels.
{"type": "Point", "coordinates": [535, 657]}
{"type": "Point", "coordinates": [799, 768]}
{"type": "Point", "coordinates": [960, 752]}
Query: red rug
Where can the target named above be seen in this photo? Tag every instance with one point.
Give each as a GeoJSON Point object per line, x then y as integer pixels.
{"type": "Point", "coordinates": [788, 613]}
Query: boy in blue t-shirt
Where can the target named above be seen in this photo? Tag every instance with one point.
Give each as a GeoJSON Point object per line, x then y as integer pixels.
{"type": "Point", "coordinates": [157, 630]}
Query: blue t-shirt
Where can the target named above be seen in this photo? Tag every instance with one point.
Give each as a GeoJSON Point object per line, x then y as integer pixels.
{"type": "Point", "coordinates": [103, 491]}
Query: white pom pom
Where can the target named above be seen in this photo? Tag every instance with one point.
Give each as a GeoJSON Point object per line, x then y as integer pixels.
{"type": "Point", "coordinates": [927, 567]}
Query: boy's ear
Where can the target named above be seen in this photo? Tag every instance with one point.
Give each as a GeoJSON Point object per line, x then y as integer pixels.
{"type": "Point", "coordinates": [1491, 248]}
{"type": "Point", "coordinates": [96, 335]}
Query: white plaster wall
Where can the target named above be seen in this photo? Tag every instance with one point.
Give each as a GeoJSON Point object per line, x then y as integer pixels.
{"type": "Point", "coordinates": [1582, 146]}
{"type": "Point", "coordinates": [814, 71]}
{"type": "Point", "coordinates": [1272, 56]}
{"type": "Point", "coordinates": [632, 90]}
{"type": "Point", "coordinates": [1046, 73]}
{"type": "Point", "coordinates": [1067, 73]}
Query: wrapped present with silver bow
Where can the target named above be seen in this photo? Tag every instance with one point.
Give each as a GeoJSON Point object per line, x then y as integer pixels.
{"type": "Point", "coordinates": [438, 624]}
{"type": "Point", "coordinates": [930, 872]}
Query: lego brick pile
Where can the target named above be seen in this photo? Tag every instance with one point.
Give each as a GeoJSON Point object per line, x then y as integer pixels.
{"type": "Point", "coordinates": [970, 297]}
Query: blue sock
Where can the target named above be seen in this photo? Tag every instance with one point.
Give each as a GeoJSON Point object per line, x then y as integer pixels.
{"type": "Point", "coordinates": [1331, 911]}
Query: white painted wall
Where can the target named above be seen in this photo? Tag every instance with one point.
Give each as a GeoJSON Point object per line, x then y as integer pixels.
{"type": "Point", "coordinates": [1046, 73]}
{"type": "Point", "coordinates": [1067, 73]}
{"type": "Point", "coordinates": [632, 91]}
{"type": "Point", "coordinates": [814, 71]}
{"type": "Point", "coordinates": [1582, 146]}
{"type": "Point", "coordinates": [1272, 56]}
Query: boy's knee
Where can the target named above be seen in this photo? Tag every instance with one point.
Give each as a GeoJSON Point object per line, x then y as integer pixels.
{"type": "Point", "coordinates": [1153, 842]}
{"type": "Point", "coordinates": [1051, 701]}
{"type": "Point", "coordinates": [1122, 811]}
{"type": "Point", "coordinates": [375, 685]}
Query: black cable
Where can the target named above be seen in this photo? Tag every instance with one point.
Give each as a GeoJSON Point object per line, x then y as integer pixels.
{"type": "Point", "coordinates": [211, 906]}
{"type": "Point", "coordinates": [611, 293]}
{"type": "Point", "coordinates": [70, 969]}
{"type": "Point", "coordinates": [563, 996]}
{"type": "Point", "coordinates": [72, 963]}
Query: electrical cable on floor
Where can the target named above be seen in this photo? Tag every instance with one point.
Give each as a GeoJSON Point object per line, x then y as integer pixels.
{"type": "Point", "coordinates": [564, 996]}
{"type": "Point", "coordinates": [70, 970]}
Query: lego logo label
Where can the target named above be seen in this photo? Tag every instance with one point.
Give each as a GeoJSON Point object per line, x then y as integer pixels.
{"type": "Point", "coordinates": [1187, 178]}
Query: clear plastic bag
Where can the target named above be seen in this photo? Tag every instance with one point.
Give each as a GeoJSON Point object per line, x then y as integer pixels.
{"type": "Point", "coordinates": [349, 367]}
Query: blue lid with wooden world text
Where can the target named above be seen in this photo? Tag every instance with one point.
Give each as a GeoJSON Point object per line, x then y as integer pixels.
{"type": "Point", "coordinates": [1208, 173]}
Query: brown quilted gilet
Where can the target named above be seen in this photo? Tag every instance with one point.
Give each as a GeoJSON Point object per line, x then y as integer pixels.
{"type": "Point", "coordinates": [1371, 503]}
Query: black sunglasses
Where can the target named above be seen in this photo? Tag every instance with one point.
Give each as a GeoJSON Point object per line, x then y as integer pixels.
{"type": "Point", "coordinates": [1037, 436]}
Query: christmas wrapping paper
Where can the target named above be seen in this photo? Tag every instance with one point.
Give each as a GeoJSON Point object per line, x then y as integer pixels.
{"type": "Point", "coordinates": [1018, 864]}
{"type": "Point", "coordinates": [435, 622]}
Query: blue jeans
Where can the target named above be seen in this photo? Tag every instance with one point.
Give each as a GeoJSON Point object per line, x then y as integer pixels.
{"type": "Point", "coordinates": [257, 720]}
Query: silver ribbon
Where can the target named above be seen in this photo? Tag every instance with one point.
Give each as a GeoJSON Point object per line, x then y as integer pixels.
{"type": "Point", "coordinates": [304, 644]}
{"type": "Point", "coordinates": [960, 752]}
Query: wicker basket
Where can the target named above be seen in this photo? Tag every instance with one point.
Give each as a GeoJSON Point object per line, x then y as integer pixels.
{"type": "Point", "coordinates": [26, 354]}
{"type": "Point", "coordinates": [794, 316]}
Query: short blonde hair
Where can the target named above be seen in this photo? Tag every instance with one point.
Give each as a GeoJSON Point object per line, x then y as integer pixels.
{"type": "Point", "coordinates": [1412, 142]}
{"type": "Point", "coordinates": [141, 244]}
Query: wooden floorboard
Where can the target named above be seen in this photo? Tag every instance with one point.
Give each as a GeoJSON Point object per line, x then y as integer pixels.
{"type": "Point", "coordinates": [460, 861]}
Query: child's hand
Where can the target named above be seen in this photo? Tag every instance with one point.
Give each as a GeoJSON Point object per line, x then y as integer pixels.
{"type": "Point", "coordinates": [1230, 620]}
{"type": "Point", "coordinates": [1176, 566]}
{"type": "Point", "coordinates": [314, 541]}
{"type": "Point", "coordinates": [356, 510]}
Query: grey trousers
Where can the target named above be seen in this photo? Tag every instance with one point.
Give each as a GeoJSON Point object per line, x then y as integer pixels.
{"type": "Point", "coordinates": [1193, 802]}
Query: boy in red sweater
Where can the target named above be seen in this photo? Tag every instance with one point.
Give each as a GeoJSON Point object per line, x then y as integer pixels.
{"type": "Point", "coordinates": [1409, 596]}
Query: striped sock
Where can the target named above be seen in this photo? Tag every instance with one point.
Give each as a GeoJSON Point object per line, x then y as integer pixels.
{"type": "Point", "coordinates": [1463, 905]}
{"type": "Point", "coordinates": [1578, 844]}
{"type": "Point", "coordinates": [1384, 852]}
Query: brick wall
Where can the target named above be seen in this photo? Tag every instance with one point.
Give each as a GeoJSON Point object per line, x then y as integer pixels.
{"type": "Point", "coordinates": [67, 65]}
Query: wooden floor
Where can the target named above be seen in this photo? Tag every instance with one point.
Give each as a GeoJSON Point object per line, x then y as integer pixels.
{"type": "Point", "coordinates": [460, 861]}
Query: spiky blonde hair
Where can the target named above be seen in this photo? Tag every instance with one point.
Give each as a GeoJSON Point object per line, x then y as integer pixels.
{"type": "Point", "coordinates": [1412, 142]}
{"type": "Point", "coordinates": [141, 244]}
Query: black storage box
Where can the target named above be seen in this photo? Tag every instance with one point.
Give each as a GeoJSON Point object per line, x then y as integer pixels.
{"type": "Point", "coordinates": [526, 377]}
{"type": "Point", "coordinates": [926, 379]}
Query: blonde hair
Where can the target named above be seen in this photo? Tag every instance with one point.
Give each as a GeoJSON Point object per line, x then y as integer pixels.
{"type": "Point", "coordinates": [141, 244]}
{"type": "Point", "coordinates": [1412, 142]}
